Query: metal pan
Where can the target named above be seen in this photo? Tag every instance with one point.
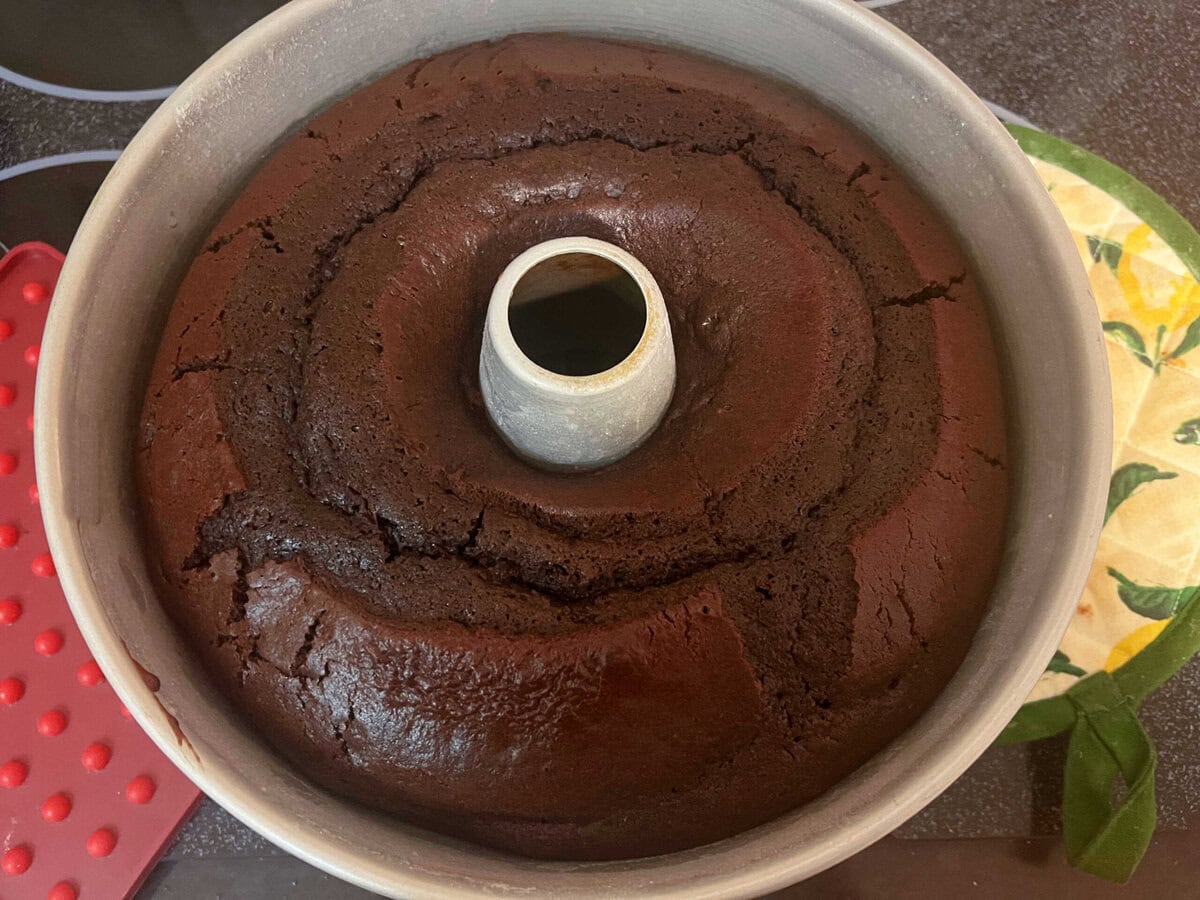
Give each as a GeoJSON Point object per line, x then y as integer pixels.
{"type": "Point", "coordinates": [197, 151]}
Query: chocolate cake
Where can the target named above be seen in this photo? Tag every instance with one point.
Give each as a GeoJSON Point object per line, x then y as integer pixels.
{"type": "Point", "coordinates": [644, 658]}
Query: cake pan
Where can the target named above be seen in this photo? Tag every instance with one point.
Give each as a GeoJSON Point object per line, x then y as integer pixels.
{"type": "Point", "coordinates": [198, 150]}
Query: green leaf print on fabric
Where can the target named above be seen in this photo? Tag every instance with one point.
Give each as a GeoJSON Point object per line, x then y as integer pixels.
{"type": "Point", "coordinates": [1129, 336]}
{"type": "Point", "coordinates": [1151, 601]}
{"type": "Point", "coordinates": [1132, 338]}
{"type": "Point", "coordinates": [1060, 662]}
{"type": "Point", "coordinates": [1188, 432]}
{"type": "Point", "coordinates": [1104, 250]}
{"type": "Point", "coordinates": [1127, 479]}
{"type": "Point", "coordinates": [1191, 340]}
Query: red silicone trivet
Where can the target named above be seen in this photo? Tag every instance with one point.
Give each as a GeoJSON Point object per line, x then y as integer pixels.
{"type": "Point", "coordinates": [87, 802]}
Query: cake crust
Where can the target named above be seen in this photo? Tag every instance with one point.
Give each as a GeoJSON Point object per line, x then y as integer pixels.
{"type": "Point", "coordinates": [628, 662]}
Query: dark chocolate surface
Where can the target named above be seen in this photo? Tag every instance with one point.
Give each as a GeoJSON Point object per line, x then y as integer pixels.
{"type": "Point", "coordinates": [719, 626]}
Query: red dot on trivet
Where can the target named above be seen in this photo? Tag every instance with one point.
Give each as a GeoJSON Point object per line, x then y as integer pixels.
{"type": "Point", "coordinates": [29, 421]}
{"type": "Point", "coordinates": [6, 329]}
{"type": "Point", "coordinates": [125, 711]}
{"type": "Point", "coordinates": [51, 723]}
{"type": "Point", "coordinates": [13, 773]}
{"type": "Point", "coordinates": [48, 642]}
{"type": "Point", "coordinates": [95, 756]}
{"type": "Point", "coordinates": [101, 842]}
{"type": "Point", "coordinates": [64, 890]}
{"type": "Point", "coordinates": [8, 463]}
{"type": "Point", "coordinates": [16, 861]}
{"type": "Point", "coordinates": [32, 352]}
{"type": "Point", "coordinates": [43, 565]}
{"type": "Point", "coordinates": [34, 496]}
{"type": "Point", "coordinates": [10, 611]}
{"type": "Point", "coordinates": [56, 807]}
{"type": "Point", "coordinates": [11, 690]}
{"type": "Point", "coordinates": [34, 292]}
{"type": "Point", "coordinates": [9, 535]}
{"type": "Point", "coordinates": [89, 674]}
{"type": "Point", "coordinates": [140, 790]}
{"type": "Point", "coordinates": [7, 394]}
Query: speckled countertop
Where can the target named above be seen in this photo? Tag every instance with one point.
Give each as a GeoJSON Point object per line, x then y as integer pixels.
{"type": "Point", "coordinates": [1122, 79]}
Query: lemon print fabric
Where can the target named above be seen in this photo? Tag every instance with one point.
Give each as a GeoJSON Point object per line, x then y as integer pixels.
{"type": "Point", "coordinates": [1138, 620]}
{"type": "Point", "coordinates": [1133, 643]}
{"type": "Point", "coordinates": [1143, 263]}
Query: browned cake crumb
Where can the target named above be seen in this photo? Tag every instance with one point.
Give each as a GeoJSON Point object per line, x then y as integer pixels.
{"type": "Point", "coordinates": [652, 656]}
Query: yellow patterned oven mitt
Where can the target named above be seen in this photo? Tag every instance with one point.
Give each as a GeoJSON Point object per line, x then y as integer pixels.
{"type": "Point", "coordinates": [1138, 621]}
